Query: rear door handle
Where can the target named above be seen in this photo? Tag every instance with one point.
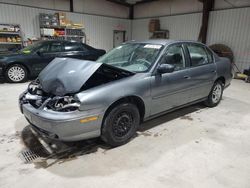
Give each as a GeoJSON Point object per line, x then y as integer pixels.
{"type": "Point", "coordinates": [187, 77]}
{"type": "Point", "coordinates": [213, 71]}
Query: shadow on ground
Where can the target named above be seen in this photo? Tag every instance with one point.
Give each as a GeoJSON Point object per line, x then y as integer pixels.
{"type": "Point", "coordinates": [56, 151]}
{"type": "Point", "coordinates": [66, 151]}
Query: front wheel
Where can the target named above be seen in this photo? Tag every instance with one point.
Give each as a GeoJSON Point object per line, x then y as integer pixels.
{"type": "Point", "coordinates": [120, 124]}
{"type": "Point", "coordinates": [215, 95]}
{"type": "Point", "coordinates": [16, 73]}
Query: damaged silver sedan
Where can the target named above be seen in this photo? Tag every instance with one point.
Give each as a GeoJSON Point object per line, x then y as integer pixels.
{"type": "Point", "coordinates": [74, 99]}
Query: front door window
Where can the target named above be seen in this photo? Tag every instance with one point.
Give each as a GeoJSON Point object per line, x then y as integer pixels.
{"type": "Point", "coordinates": [175, 56]}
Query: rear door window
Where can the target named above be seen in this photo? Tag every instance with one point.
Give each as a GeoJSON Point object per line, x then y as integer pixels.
{"type": "Point", "coordinates": [73, 47]}
{"type": "Point", "coordinates": [44, 48]}
{"type": "Point", "coordinates": [198, 55]}
{"type": "Point", "coordinates": [56, 47]}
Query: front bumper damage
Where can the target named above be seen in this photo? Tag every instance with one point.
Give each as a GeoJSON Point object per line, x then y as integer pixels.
{"type": "Point", "coordinates": [65, 126]}
{"type": "Point", "coordinates": [52, 106]}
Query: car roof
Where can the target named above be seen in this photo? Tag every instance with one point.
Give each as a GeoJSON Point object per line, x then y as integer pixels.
{"type": "Point", "coordinates": [163, 41]}
{"type": "Point", "coordinates": [64, 41]}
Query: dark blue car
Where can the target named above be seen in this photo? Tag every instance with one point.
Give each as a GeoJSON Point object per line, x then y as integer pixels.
{"type": "Point", "coordinates": [30, 61]}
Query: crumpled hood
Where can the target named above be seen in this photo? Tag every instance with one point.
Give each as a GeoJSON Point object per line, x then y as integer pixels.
{"type": "Point", "coordinates": [66, 75]}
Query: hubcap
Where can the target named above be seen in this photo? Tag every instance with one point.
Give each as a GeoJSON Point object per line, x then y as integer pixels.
{"type": "Point", "coordinates": [16, 74]}
{"type": "Point", "coordinates": [122, 124]}
{"type": "Point", "coordinates": [216, 95]}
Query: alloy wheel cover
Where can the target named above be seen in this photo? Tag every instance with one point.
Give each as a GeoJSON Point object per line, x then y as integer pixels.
{"type": "Point", "coordinates": [16, 73]}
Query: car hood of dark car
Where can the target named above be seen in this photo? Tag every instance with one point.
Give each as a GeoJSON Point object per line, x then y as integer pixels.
{"type": "Point", "coordinates": [66, 75]}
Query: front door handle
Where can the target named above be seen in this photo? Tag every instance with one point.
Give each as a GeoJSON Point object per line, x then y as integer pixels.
{"type": "Point", "coordinates": [187, 77]}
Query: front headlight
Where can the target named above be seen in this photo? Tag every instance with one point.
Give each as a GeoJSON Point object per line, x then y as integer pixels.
{"type": "Point", "coordinates": [63, 104]}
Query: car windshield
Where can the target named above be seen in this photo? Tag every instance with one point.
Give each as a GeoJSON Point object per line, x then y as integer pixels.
{"type": "Point", "coordinates": [32, 47]}
{"type": "Point", "coordinates": [133, 57]}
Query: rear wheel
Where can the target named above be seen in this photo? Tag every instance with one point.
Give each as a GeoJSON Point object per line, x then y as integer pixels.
{"type": "Point", "coordinates": [16, 73]}
{"type": "Point", "coordinates": [120, 124]}
{"type": "Point", "coordinates": [215, 95]}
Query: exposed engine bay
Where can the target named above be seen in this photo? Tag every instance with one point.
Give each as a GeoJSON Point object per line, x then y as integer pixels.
{"type": "Point", "coordinates": [40, 99]}
{"type": "Point", "coordinates": [105, 74]}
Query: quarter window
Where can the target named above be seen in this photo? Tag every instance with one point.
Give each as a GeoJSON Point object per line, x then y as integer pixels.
{"type": "Point", "coordinates": [175, 56]}
{"type": "Point", "coordinates": [198, 55]}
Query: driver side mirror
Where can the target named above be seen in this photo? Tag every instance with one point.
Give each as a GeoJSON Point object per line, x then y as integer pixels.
{"type": "Point", "coordinates": [165, 68]}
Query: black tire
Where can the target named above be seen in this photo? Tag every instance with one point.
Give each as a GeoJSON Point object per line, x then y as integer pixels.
{"type": "Point", "coordinates": [120, 124]}
{"type": "Point", "coordinates": [215, 96]}
{"type": "Point", "coordinates": [21, 73]}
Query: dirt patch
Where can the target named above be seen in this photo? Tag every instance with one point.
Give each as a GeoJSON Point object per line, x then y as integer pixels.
{"type": "Point", "coordinates": [70, 158]}
{"type": "Point", "coordinates": [24, 171]}
{"type": "Point", "coordinates": [157, 134]}
{"type": "Point", "coordinates": [199, 119]}
{"type": "Point", "coordinates": [9, 138]}
{"type": "Point", "coordinates": [104, 151]}
{"type": "Point", "coordinates": [187, 118]}
{"type": "Point", "coordinates": [62, 152]}
{"type": "Point", "coordinates": [41, 164]}
{"type": "Point", "coordinates": [2, 141]}
{"type": "Point", "coordinates": [146, 133]}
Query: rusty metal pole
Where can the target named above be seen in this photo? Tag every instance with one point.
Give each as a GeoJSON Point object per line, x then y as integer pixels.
{"type": "Point", "coordinates": [131, 12]}
{"type": "Point", "coordinates": [207, 7]}
{"type": "Point", "coordinates": [71, 5]}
